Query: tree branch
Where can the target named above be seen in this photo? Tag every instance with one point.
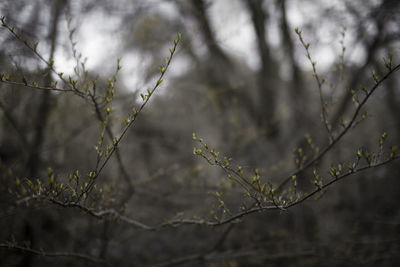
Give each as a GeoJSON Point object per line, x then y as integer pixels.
{"type": "Point", "coordinates": [345, 130]}
{"type": "Point", "coordinates": [42, 253]}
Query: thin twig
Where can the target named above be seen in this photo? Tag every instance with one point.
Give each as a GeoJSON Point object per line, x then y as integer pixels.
{"type": "Point", "coordinates": [324, 111]}
{"type": "Point", "coordinates": [43, 88]}
{"type": "Point", "coordinates": [113, 214]}
{"type": "Point", "coordinates": [344, 131]}
{"type": "Point", "coordinates": [133, 118]}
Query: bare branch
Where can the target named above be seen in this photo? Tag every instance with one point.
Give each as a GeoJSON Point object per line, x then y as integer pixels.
{"type": "Point", "coordinates": [42, 253]}
{"type": "Point", "coordinates": [213, 256]}
{"type": "Point", "coordinates": [344, 131]}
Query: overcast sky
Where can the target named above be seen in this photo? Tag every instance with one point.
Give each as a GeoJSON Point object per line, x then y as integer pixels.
{"type": "Point", "coordinates": [98, 38]}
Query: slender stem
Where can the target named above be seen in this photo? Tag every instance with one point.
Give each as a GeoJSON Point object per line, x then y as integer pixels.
{"type": "Point", "coordinates": [344, 131]}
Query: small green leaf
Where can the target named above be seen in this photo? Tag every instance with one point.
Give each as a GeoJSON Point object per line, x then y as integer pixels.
{"type": "Point", "coordinates": [23, 79]}
{"type": "Point", "coordinates": [264, 187]}
{"type": "Point", "coordinates": [29, 183]}
{"type": "Point", "coordinates": [226, 161]}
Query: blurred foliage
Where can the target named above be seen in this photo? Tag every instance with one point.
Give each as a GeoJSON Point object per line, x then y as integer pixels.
{"type": "Point", "coordinates": [295, 135]}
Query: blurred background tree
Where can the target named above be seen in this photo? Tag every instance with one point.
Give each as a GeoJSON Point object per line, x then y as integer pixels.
{"type": "Point", "coordinates": [240, 80]}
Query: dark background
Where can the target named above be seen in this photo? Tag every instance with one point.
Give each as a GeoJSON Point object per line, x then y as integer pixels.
{"type": "Point", "coordinates": [253, 102]}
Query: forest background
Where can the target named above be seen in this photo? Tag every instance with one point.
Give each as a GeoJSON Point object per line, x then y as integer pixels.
{"type": "Point", "coordinates": [199, 133]}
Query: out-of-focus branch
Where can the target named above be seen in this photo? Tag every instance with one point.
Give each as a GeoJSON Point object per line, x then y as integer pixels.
{"type": "Point", "coordinates": [235, 254]}
{"type": "Point", "coordinates": [42, 253]}
{"type": "Point", "coordinates": [372, 46]}
{"type": "Point", "coordinates": [46, 99]}
{"type": "Point", "coordinates": [296, 83]}
{"type": "Point", "coordinates": [15, 125]}
{"type": "Point", "coordinates": [267, 73]}
{"type": "Point", "coordinates": [208, 34]}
